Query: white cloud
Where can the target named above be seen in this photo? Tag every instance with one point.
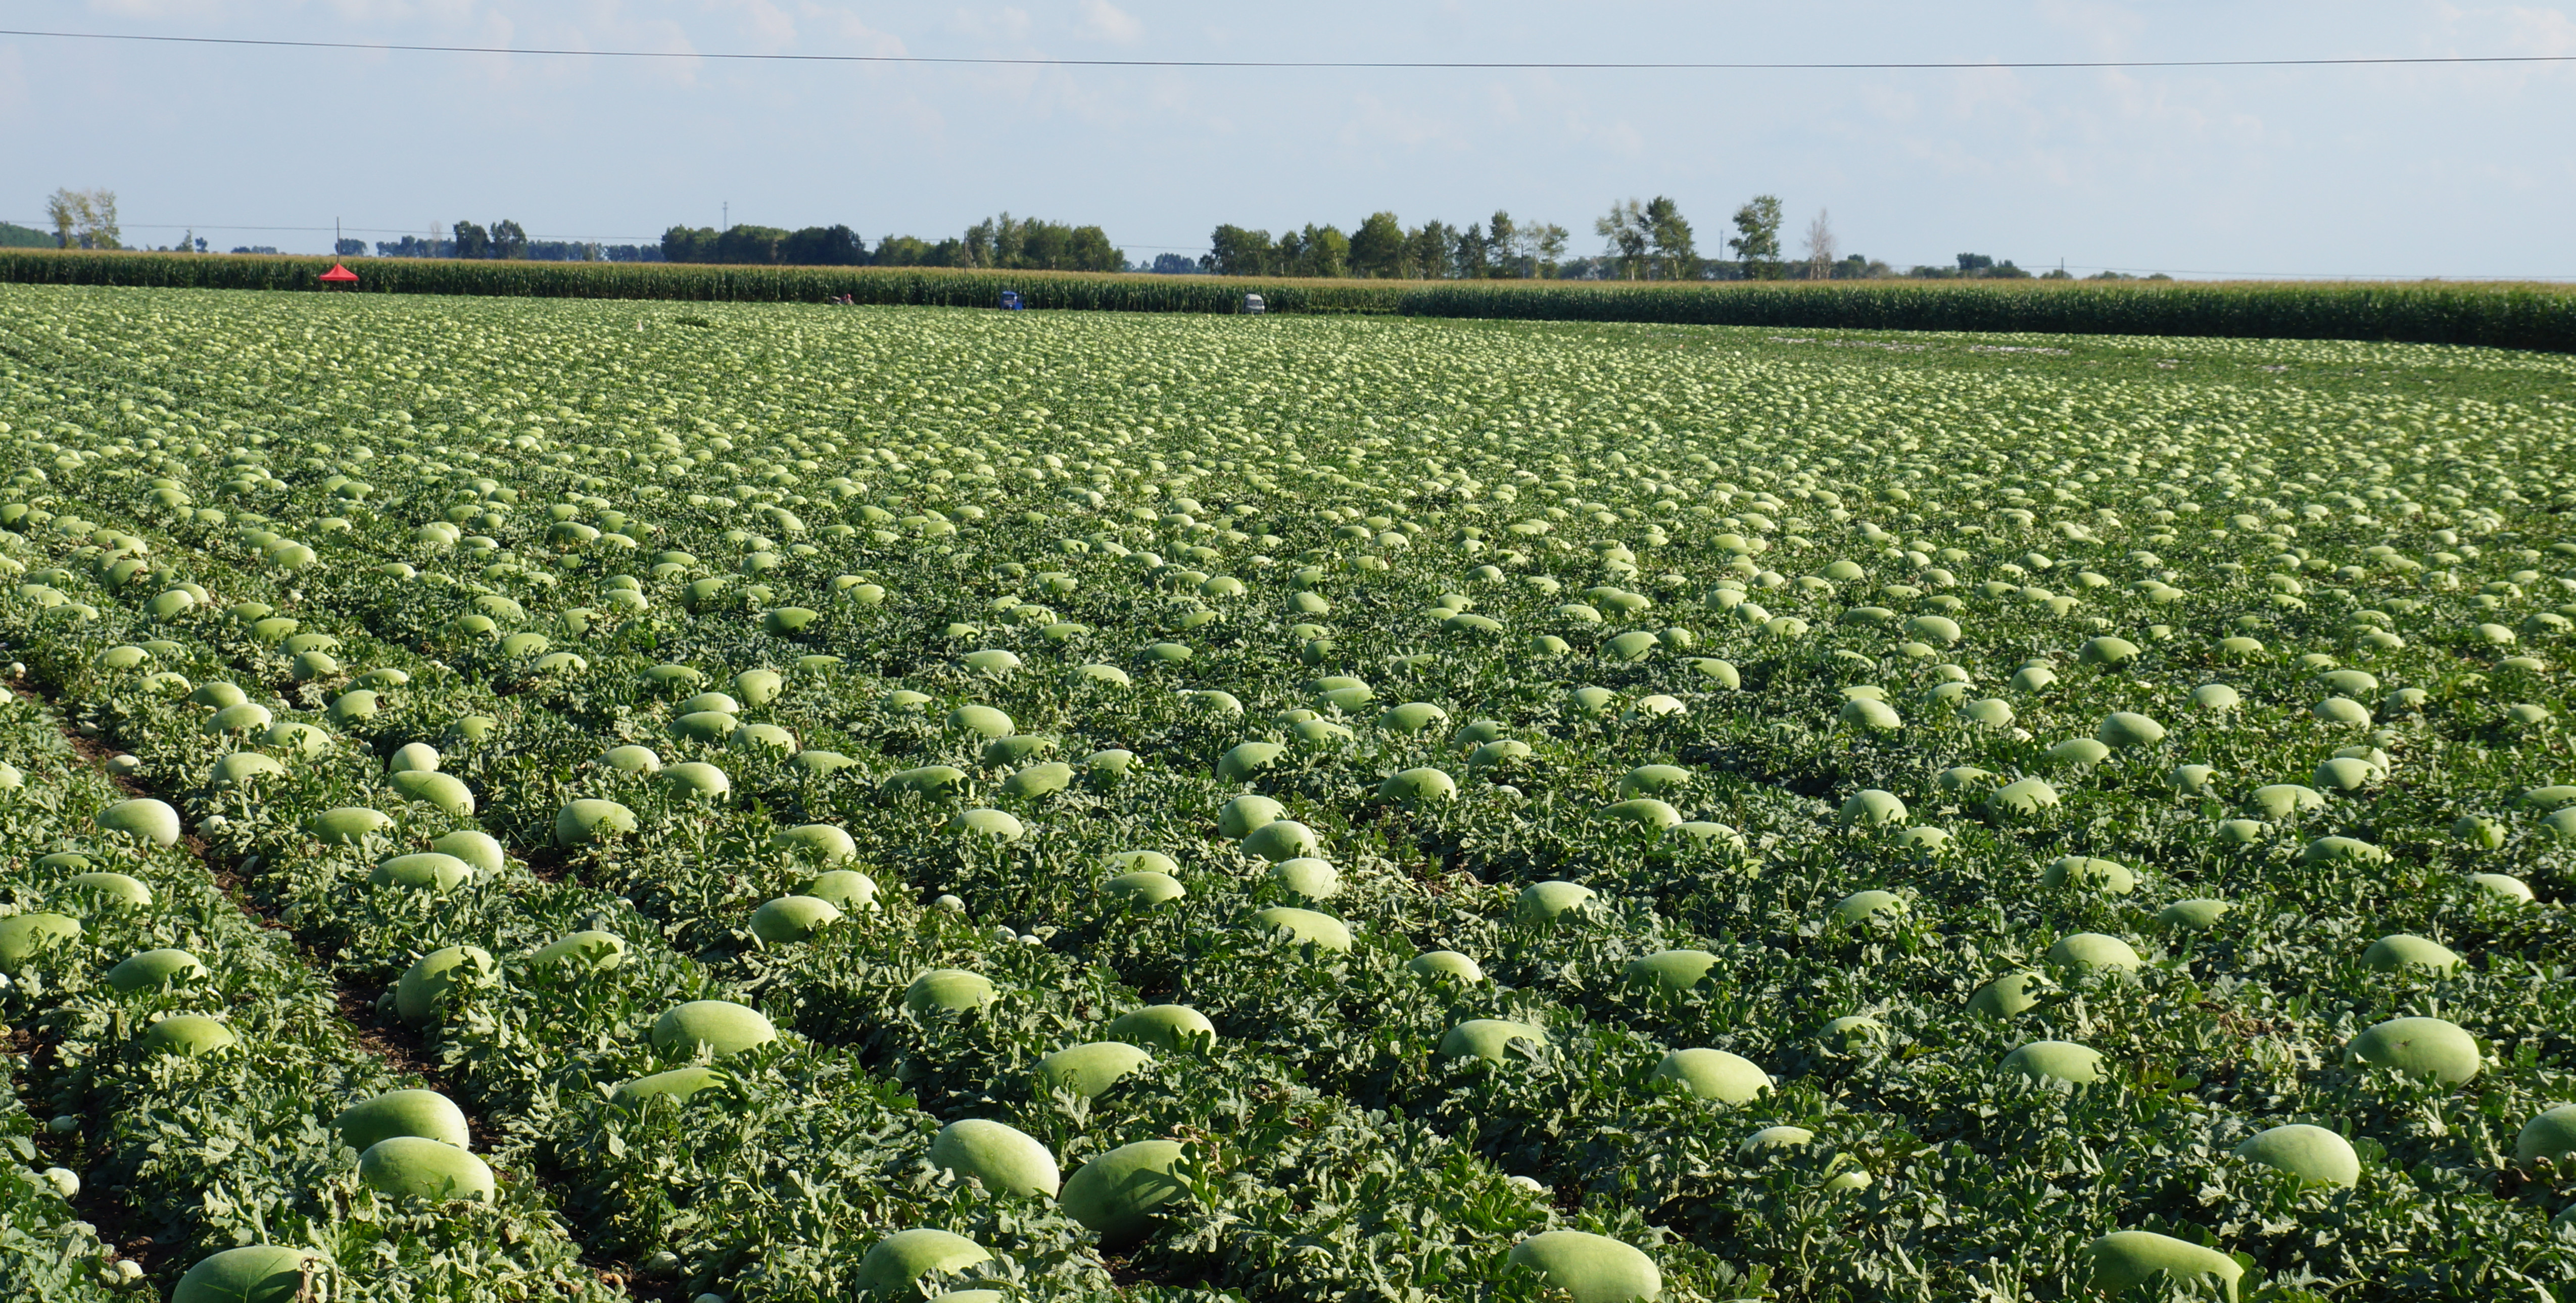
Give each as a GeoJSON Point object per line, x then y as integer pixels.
{"type": "Point", "coordinates": [2541, 31]}
{"type": "Point", "coordinates": [272, 11]}
{"type": "Point", "coordinates": [1617, 136]}
{"type": "Point", "coordinates": [396, 11]}
{"type": "Point", "coordinates": [850, 33]}
{"type": "Point", "coordinates": [159, 8]}
{"type": "Point", "coordinates": [1888, 102]}
{"type": "Point", "coordinates": [2107, 30]}
{"type": "Point", "coordinates": [770, 26]}
{"type": "Point", "coordinates": [1009, 23]}
{"type": "Point", "coordinates": [1109, 22]}
{"type": "Point", "coordinates": [1375, 123]}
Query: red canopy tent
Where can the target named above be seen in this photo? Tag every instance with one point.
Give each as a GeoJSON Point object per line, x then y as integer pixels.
{"type": "Point", "coordinates": [339, 278]}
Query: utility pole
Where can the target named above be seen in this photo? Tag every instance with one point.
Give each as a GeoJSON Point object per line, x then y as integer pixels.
{"type": "Point", "coordinates": [728, 217]}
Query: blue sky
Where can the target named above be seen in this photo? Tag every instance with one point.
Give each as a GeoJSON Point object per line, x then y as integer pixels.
{"type": "Point", "coordinates": [2352, 171]}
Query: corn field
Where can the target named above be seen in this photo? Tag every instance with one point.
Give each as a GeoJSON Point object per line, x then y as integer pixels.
{"type": "Point", "coordinates": [2520, 316]}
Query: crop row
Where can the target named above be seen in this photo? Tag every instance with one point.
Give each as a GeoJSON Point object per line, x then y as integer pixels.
{"type": "Point", "coordinates": [46, 1250]}
{"type": "Point", "coordinates": [510, 1067]}
{"type": "Point", "coordinates": [193, 1072]}
{"type": "Point", "coordinates": [2507, 316]}
{"type": "Point", "coordinates": [643, 1184]}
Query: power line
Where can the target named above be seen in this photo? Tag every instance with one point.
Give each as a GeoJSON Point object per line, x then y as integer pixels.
{"type": "Point", "coordinates": [1322, 64]}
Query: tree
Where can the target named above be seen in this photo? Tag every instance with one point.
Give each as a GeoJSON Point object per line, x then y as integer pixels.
{"type": "Point", "coordinates": [1035, 244]}
{"type": "Point", "coordinates": [84, 217]}
{"type": "Point", "coordinates": [824, 246]}
{"type": "Point", "coordinates": [508, 240]}
{"type": "Point", "coordinates": [687, 244]}
{"type": "Point", "coordinates": [1671, 236]}
{"type": "Point", "coordinates": [745, 243]}
{"type": "Point", "coordinates": [343, 248]}
{"type": "Point", "coordinates": [1822, 252]}
{"type": "Point", "coordinates": [902, 251]}
{"type": "Point", "coordinates": [979, 244]}
{"type": "Point", "coordinates": [1472, 255]}
{"type": "Point", "coordinates": [1503, 246]}
{"type": "Point", "coordinates": [564, 251]}
{"type": "Point", "coordinates": [1427, 251]}
{"type": "Point", "coordinates": [1974, 262]}
{"type": "Point", "coordinates": [1172, 264]}
{"type": "Point", "coordinates": [1010, 241]}
{"type": "Point", "coordinates": [993, 242]}
{"type": "Point", "coordinates": [1626, 230]}
{"type": "Point", "coordinates": [1295, 252]}
{"type": "Point", "coordinates": [1234, 251]}
{"type": "Point", "coordinates": [1377, 248]}
{"type": "Point", "coordinates": [1757, 239]}
{"type": "Point", "coordinates": [1043, 245]}
{"type": "Point", "coordinates": [1320, 251]}
{"type": "Point", "coordinates": [1547, 248]}
{"type": "Point", "coordinates": [1081, 248]}
{"type": "Point", "coordinates": [1003, 241]}
{"type": "Point", "coordinates": [472, 242]}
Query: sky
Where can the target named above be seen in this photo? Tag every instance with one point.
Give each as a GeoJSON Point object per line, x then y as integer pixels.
{"type": "Point", "coordinates": [2402, 172]}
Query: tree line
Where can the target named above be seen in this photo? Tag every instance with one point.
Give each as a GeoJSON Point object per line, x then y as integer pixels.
{"type": "Point", "coordinates": [504, 239]}
{"type": "Point", "coordinates": [1641, 240]}
{"type": "Point", "coordinates": [1001, 243]}
{"type": "Point", "coordinates": [1383, 247]}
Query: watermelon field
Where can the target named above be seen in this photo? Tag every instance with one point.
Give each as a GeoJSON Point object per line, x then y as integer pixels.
{"type": "Point", "coordinates": [567, 799]}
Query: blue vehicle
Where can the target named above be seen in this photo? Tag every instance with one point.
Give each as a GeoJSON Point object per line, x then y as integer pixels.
{"type": "Point", "coordinates": [1011, 301]}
